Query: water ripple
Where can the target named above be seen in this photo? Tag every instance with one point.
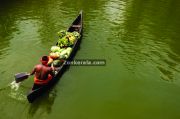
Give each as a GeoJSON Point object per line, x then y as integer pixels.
{"type": "Point", "coordinates": [114, 11]}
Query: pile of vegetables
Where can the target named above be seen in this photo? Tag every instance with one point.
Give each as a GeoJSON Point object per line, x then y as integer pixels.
{"type": "Point", "coordinates": [57, 63]}
{"type": "Point", "coordinates": [59, 54]}
{"type": "Point", "coordinates": [67, 39]}
{"type": "Point", "coordinates": [63, 49]}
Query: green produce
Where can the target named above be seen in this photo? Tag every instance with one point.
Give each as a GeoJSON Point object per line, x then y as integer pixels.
{"type": "Point", "coordinates": [76, 34]}
{"type": "Point", "coordinates": [72, 40]}
{"type": "Point", "coordinates": [65, 53]}
{"type": "Point", "coordinates": [66, 56]}
{"type": "Point", "coordinates": [68, 51]}
{"type": "Point", "coordinates": [67, 38]}
{"type": "Point", "coordinates": [63, 42]}
{"type": "Point", "coordinates": [54, 55]}
{"type": "Point", "coordinates": [62, 57]}
{"type": "Point", "coordinates": [55, 49]}
{"type": "Point", "coordinates": [57, 63]}
{"type": "Point", "coordinates": [61, 33]}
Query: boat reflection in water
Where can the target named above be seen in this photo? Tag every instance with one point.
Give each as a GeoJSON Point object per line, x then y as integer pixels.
{"type": "Point", "coordinates": [43, 105]}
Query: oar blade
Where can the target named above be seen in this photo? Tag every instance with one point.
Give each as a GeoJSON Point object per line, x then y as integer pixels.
{"type": "Point", "coordinates": [21, 76]}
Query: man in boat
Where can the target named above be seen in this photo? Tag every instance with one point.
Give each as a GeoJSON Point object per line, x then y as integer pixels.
{"type": "Point", "coordinates": [43, 73]}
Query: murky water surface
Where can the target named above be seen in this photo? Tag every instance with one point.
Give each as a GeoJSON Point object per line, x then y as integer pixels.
{"type": "Point", "coordinates": [140, 40]}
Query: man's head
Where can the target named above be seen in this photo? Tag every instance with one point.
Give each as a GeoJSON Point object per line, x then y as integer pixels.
{"type": "Point", "coordinates": [44, 60]}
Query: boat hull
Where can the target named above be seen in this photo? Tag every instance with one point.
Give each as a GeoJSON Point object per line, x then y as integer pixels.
{"type": "Point", "coordinates": [75, 26]}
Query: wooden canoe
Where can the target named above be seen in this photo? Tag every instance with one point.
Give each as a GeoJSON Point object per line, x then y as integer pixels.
{"type": "Point", "coordinates": [76, 25]}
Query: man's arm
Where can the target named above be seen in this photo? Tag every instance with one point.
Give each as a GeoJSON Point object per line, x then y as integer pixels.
{"type": "Point", "coordinates": [33, 71]}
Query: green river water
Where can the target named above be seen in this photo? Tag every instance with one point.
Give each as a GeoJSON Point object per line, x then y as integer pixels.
{"type": "Point", "coordinates": [139, 39]}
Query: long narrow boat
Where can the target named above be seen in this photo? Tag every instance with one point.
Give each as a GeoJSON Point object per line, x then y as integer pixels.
{"type": "Point", "coordinates": [75, 26]}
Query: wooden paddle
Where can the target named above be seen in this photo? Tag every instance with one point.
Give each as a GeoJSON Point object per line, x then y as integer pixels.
{"type": "Point", "coordinates": [21, 76]}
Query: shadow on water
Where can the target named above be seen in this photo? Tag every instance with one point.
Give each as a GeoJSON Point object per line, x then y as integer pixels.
{"type": "Point", "coordinates": [42, 105]}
